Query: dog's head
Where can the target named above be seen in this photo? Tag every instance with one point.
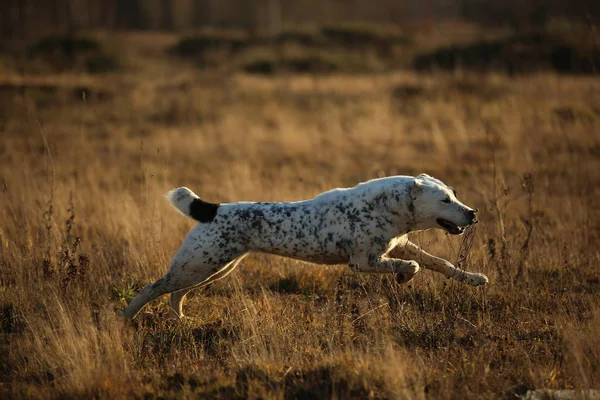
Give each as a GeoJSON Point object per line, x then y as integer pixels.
{"type": "Point", "coordinates": [435, 205]}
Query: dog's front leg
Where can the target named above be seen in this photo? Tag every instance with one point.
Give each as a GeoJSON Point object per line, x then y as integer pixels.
{"type": "Point", "coordinates": [440, 265]}
{"type": "Point", "coordinates": [405, 270]}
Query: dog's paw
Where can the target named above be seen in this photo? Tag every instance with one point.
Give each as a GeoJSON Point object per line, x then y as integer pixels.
{"type": "Point", "coordinates": [408, 272]}
{"type": "Point", "coordinates": [470, 278]}
{"type": "Point", "coordinates": [477, 279]}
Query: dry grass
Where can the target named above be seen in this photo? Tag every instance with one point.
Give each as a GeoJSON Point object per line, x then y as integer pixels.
{"type": "Point", "coordinates": [84, 225]}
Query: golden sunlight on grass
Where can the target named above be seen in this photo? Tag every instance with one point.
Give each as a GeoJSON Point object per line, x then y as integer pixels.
{"type": "Point", "coordinates": [85, 226]}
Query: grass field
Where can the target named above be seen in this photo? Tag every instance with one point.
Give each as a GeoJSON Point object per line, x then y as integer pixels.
{"type": "Point", "coordinates": [85, 161]}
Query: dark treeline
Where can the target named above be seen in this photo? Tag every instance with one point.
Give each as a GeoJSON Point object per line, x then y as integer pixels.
{"type": "Point", "coordinates": [30, 18]}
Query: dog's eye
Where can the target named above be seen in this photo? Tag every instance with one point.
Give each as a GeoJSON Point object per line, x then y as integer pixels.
{"type": "Point", "coordinates": [446, 200]}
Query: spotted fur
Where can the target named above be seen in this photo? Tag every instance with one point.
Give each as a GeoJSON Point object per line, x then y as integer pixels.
{"type": "Point", "coordinates": [357, 226]}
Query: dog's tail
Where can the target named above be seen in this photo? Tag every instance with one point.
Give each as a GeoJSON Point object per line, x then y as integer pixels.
{"type": "Point", "coordinates": [190, 205]}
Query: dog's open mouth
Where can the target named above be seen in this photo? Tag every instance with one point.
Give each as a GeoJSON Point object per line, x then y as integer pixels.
{"type": "Point", "coordinates": [451, 227]}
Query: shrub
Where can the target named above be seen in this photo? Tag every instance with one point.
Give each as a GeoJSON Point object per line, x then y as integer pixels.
{"type": "Point", "coordinates": [69, 52]}
{"type": "Point", "coordinates": [300, 64]}
{"type": "Point", "coordinates": [64, 45]}
{"type": "Point", "coordinates": [516, 54]}
{"type": "Point", "coordinates": [303, 37]}
{"type": "Point", "coordinates": [364, 36]}
{"type": "Point", "coordinates": [309, 62]}
{"type": "Point", "coordinates": [198, 45]}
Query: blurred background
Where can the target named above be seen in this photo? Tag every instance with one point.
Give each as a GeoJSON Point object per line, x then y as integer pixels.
{"type": "Point", "coordinates": [105, 105]}
{"type": "Point", "coordinates": [23, 18]}
{"type": "Point", "coordinates": [268, 36]}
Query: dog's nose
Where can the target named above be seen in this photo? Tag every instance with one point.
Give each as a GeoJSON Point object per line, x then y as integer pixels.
{"type": "Point", "coordinates": [472, 216]}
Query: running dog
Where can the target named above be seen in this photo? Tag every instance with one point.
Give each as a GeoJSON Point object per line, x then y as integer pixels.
{"type": "Point", "coordinates": [356, 226]}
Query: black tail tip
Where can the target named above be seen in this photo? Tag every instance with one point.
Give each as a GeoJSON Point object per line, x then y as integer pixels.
{"type": "Point", "coordinates": [203, 211]}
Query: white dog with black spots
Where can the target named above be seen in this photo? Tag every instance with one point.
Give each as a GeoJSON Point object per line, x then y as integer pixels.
{"type": "Point", "coordinates": [356, 226]}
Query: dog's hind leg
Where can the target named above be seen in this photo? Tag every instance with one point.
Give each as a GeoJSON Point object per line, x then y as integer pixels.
{"type": "Point", "coordinates": [178, 297]}
{"type": "Point", "coordinates": [176, 302]}
{"type": "Point", "coordinates": [166, 284]}
{"type": "Point", "coordinates": [183, 276]}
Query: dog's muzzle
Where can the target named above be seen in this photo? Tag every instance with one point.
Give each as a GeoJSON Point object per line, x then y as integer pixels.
{"type": "Point", "coordinates": [454, 229]}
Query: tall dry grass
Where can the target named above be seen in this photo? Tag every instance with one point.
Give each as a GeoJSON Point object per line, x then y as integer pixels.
{"type": "Point", "coordinates": [84, 226]}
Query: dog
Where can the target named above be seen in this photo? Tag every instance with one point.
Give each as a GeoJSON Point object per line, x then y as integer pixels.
{"type": "Point", "coordinates": [356, 226]}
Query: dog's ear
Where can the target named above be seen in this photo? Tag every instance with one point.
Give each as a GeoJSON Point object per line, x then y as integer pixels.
{"type": "Point", "coordinates": [417, 187]}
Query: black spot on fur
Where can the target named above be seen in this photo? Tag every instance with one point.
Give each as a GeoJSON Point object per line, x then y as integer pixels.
{"type": "Point", "coordinates": [203, 211]}
{"type": "Point", "coordinates": [411, 207]}
{"type": "Point", "coordinates": [257, 225]}
{"type": "Point", "coordinates": [343, 244]}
